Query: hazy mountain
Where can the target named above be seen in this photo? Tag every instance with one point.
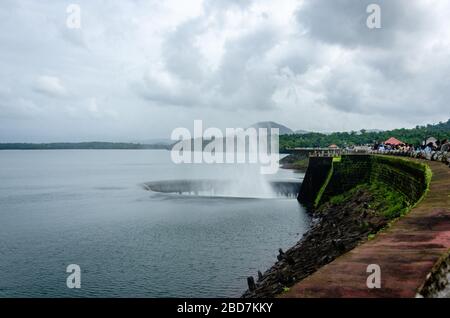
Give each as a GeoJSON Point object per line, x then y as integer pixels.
{"type": "Point", "coordinates": [79, 145]}
{"type": "Point", "coordinates": [155, 141]}
{"type": "Point", "coordinates": [270, 124]}
{"type": "Point", "coordinates": [301, 132]}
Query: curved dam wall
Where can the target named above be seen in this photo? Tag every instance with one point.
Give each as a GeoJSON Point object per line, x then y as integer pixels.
{"type": "Point", "coordinates": [392, 187]}
{"type": "Point", "coordinates": [327, 176]}
{"type": "Point", "coordinates": [412, 253]}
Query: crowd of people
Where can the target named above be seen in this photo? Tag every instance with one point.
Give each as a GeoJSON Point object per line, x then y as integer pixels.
{"type": "Point", "coordinates": [438, 145]}
{"type": "Point", "coordinates": [430, 149]}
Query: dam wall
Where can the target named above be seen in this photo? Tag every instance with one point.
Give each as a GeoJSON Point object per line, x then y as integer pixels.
{"type": "Point", "coordinates": [401, 223]}
{"type": "Point", "coordinates": [319, 170]}
{"type": "Point", "coordinates": [327, 177]}
{"type": "Point", "coordinates": [412, 253]}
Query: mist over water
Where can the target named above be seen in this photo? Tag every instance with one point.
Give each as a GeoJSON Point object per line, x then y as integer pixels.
{"type": "Point", "coordinates": [88, 207]}
{"type": "Point", "coordinates": [237, 179]}
{"type": "Point", "coordinates": [247, 181]}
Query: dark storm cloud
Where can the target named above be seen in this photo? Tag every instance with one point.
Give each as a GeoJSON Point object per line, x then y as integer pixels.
{"type": "Point", "coordinates": [343, 22]}
{"type": "Point", "coordinates": [142, 67]}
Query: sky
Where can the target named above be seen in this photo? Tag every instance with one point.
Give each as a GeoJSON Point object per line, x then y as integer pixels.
{"type": "Point", "coordinates": [135, 70]}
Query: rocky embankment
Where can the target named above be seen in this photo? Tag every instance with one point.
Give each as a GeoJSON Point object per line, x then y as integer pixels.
{"type": "Point", "coordinates": [295, 162]}
{"type": "Point", "coordinates": [336, 229]}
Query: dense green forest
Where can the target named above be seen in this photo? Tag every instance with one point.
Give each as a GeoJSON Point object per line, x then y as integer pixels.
{"type": "Point", "coordinates": [342, 139]}
{"type": "Point", "coordinates": [79, 145]}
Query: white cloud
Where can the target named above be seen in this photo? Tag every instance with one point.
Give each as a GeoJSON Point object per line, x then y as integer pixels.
{"type": "Point", "coordinates": [50, 85]}
{"type": "Point", "coordinates": [97, 112]}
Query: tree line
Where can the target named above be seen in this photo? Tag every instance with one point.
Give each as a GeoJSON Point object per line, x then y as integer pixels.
{"type": "Point", "coordinates": [413, 136]}
{"type": "Point", "coordinates": [79, 145]}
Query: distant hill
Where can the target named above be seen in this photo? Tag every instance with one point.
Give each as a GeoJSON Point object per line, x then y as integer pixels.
{"type": "Point", "coordinates": [301, 132]}
{"type": "Point", "coordinates": [271, 124]}
{"type": "Point", "coordinates": [155, 141]}
{"type": "Point", "coordinates": [79, 145]}
{"type": "Point", "coordinates": [283, 130]}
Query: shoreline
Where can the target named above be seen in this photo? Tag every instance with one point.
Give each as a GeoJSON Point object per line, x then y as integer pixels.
{"type": "Point", "coordinates": [335, 230]}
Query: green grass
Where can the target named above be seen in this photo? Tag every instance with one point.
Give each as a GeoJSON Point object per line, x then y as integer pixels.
{"type": "Point", "coordinates": [389, 202]}
{"type": "Point", "coordinates": [324, 186]}
{"type": "Point", "coordinates": [386, 201]}
{"type": "Point", "coordinates": [338, 199]}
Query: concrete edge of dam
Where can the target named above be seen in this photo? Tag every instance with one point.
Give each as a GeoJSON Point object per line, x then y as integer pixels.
{"type": "Point", "coordinates": [410, 253]}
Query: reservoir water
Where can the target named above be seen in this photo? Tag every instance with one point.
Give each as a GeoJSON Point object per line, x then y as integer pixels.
{"type": "Point", "coordinates": [88, 207]}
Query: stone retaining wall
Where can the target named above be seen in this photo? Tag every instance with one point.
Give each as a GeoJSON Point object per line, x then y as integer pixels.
{"type": "Point", "coordinates": [404, 176]}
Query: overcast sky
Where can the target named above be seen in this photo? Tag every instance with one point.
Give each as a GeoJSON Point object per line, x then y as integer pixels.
{"type": "Point", "coordinates": [136, 70]}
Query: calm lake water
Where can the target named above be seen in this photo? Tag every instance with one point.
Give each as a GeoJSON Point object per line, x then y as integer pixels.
{"type": "Point", "coordinates": [88, 207]}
